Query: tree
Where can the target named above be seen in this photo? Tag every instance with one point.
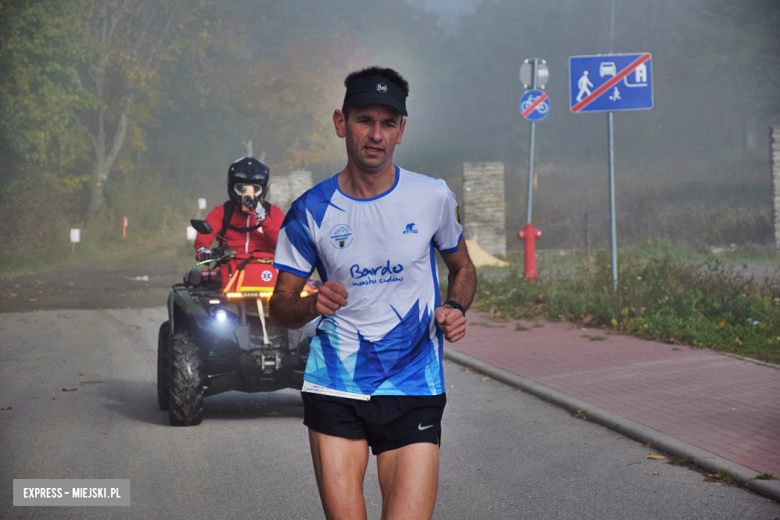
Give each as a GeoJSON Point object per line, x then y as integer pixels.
{"type": "Point", "coordinates": [130, 35]}
{"type": "Point", "coordinates": [299, 94]}
{"type": "Point", "coordinates": [84, 63]}
{"type": "Point", "coordinates": [303, 50]}
{"type": "Point", "coordinates": [42, 45]}
{"type": "Point", "coordinates": [142, 43]}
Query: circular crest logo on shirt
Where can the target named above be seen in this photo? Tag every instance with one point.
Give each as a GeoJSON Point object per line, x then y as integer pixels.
{"type": "Point", "coordinates": [266, 276]}
{"type": "Point", "coordinates": [381, 87]}
{"type": "Point", "coordinates": [341, 236]}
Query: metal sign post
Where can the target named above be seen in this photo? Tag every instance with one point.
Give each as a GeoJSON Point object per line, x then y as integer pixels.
{"type": "Point", "coordinates": [534, 106]}
{"type": "Point", "coordinates": [595, 84]}
{"type": "Point", "coordinates": [612, 219]}
{"type": "Point", "coordinates": [75, 238]}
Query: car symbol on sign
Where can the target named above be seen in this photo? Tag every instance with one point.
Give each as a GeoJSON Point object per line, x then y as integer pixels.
{"type": "Point", "coordinates": [607, 68]}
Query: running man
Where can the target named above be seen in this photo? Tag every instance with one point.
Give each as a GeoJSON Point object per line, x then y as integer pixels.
{"type": "Point", "coordinates": [374, 376]}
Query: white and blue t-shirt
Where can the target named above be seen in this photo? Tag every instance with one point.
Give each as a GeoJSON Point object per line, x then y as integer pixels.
{"type": "Point", "coordinates": [385, 341]}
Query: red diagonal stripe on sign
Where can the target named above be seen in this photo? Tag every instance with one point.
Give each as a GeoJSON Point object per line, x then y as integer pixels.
{"type": "Point", "coordinates": [535, 104]}
{"type": "Point", "coordinates": [606, 86]}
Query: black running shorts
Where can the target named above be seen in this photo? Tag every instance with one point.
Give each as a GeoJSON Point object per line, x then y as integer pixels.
{"type": "Point", "coordinates": [387, 422]}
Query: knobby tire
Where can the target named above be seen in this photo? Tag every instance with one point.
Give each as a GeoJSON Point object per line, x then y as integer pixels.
{"type": "Point", "coordinates": [163, 365]}
{"type": "Point", "coordinates": [186, 391]}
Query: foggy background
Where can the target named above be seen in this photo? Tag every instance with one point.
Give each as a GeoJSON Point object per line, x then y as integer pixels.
{"type": "Point", "coordinates": [191, 80]}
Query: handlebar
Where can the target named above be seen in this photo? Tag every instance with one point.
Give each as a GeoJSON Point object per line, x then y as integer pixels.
{"type": "Point", "coordinates": [220, 256]}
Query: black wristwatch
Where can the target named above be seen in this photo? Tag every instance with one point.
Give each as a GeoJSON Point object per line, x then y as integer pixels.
{"type": "Point", "coordinates": [455, 305]}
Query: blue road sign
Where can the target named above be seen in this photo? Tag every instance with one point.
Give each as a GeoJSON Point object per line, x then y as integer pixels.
{"type": "Point", "coordinates": [534, 105]}
{"type": "Point", "coordinates": [610, 82]}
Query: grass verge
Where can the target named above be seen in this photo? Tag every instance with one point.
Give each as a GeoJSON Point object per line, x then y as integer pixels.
{"type": "Point", "coordinates": [664, 298]}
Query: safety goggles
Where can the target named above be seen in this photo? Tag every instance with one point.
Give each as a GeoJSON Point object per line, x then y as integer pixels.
{"type": "Point", "coordinates": [244, 189]}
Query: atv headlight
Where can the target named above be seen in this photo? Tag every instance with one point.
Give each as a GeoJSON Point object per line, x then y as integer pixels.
{"type": "Point", "coordinates": [221, 317]}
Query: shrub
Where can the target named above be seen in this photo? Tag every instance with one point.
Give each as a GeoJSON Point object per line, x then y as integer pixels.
{"type": "Point", "coordinates": [663, 298]}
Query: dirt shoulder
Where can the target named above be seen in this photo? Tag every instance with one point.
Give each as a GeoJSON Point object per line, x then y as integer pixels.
{"type": "Point", "coordinates": [130, 279]}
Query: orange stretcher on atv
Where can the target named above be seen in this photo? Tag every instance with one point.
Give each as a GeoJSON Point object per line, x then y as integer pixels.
{"type": "Point", "coordinates": [218, 337]}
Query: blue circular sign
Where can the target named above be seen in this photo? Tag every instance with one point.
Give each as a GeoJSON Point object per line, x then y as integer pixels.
{"type": "Point", "coordinates": [540, 108]}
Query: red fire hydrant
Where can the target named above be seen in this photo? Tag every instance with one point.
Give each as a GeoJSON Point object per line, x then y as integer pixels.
{"type": "Point", "coordinates": [530, 234]}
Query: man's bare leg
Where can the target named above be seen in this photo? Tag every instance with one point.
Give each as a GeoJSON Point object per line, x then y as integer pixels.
{"type": "Point", "coordinates": [409, 479]}
{"type": "Point", "coordinates": [340, 467]}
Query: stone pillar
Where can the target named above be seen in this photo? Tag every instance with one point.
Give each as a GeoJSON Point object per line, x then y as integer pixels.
{"type": "Point", "coordinates": [284, 189]}
{"type": "Point", "coordinates": [775, 138]}
{"type": "Point", "coordinates": [484, 211]}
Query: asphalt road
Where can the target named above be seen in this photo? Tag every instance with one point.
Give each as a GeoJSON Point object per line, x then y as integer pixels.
{"type": "Point", "coordinates": [505, 454]}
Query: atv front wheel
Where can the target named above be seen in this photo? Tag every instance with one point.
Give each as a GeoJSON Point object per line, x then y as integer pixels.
{"type": "Point", "coordinates": [163, 365]}
{"type": "Point", "coordinates": [186, 391]}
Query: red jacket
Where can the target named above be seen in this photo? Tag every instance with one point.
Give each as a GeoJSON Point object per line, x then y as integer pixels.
{"type": "Point", "coordinates": [244, 242]}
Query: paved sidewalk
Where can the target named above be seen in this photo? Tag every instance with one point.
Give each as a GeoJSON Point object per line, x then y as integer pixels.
{"type": "Point", "coordinates": [723, 405]}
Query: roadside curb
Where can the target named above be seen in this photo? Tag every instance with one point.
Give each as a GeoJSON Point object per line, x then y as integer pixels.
{"type": "Point", "coordinates": [661, 441]}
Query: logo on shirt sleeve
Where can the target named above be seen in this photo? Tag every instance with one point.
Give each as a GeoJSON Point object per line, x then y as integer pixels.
{"type": "Point", "coordinates": [341, 236]}
{"type": "Point", "coordinates": [457, 214]}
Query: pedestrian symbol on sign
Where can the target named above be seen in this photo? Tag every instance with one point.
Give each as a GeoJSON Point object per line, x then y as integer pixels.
{"type": "Point", "coordinates": [583, 84]}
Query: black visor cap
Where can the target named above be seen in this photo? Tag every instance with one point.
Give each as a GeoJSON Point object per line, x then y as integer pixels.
{"type": "Point", "coordinates": [375, 90]}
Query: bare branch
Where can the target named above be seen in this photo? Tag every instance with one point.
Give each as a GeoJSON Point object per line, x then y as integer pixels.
{"type": "Point", "coordinates": [100, 138]}
{"type": "Point", "coordinates": [163, 35]}
{"type": "Point", "coordinates": [89, 134]}
{"type": "Point", "coordinates": [77, 80]}
{"type": "Point", "coordinates": [115, 16]}
{"type": "Point", "coordinates": [119, 133]}
{"type": "Point", "coordinates": [150, 17]}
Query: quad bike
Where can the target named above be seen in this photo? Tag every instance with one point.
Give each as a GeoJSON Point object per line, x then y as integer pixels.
{"type": "Point", "coordinates": [218, 337]}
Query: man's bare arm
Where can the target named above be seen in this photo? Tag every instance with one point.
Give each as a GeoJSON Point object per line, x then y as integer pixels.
{"type": "Point", "coordinates": [462, 278]}
{"type": "Point", "coordinates": [287, 308]}
{"type": "Point", "coordinates": [462, 283]}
